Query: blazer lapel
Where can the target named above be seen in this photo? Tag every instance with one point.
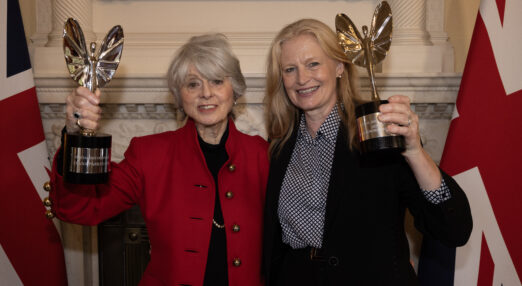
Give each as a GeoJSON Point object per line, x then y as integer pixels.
{"type": "Point", "coordinates": [343, 172]}
{"type": "Point", "coordinates": [272, 232]}
{"type": "Point", "coordinates": [278, 167]}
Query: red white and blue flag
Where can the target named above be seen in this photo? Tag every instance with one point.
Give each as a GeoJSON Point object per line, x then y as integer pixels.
{"type": "Point", "coordinates": [31, 252]}
{"type": "Point", "coordinates": [483, 153]}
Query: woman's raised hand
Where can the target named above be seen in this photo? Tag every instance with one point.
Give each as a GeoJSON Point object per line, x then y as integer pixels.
{"type": "Point", "coordinates": [405, 121]}
{"type": "Point", "coordinates": [82, 109]}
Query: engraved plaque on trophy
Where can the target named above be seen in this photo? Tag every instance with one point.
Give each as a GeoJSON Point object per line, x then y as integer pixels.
{"type": "Point", "coordinates": [367, 51]}
{"type": "Point", "coordinates": [87, 153]}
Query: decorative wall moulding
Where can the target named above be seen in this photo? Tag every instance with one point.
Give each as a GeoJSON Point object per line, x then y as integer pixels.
{"type": "Point", "coordinates": [421, 88]}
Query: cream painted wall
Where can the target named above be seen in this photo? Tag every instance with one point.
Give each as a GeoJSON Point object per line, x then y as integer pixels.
{"type": "Point", "coordinates": [28, 9]}
{"type": "Point", "coordinates": [460, 19]}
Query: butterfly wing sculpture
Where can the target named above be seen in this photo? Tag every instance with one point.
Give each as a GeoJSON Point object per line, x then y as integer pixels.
{"type": "Point", "coordinates": [91, 68]}
{"type": "Point", "coordinates": [350, 40]}
{"type": "Point", "coordinates": [381, 32]}
{"type": "Point", "coordinates": [75, 52]}
{"type": "Point", "coordinates": [370, 48]}
{"type": "Point", "coordinates": [109, 55]}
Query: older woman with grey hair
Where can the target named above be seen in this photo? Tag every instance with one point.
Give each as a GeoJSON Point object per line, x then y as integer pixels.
{"type": "Point", "coordinates": [200, 188]}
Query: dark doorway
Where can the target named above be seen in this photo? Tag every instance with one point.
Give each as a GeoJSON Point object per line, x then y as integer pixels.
{"type": "Point", "coordinates": [123, 248]}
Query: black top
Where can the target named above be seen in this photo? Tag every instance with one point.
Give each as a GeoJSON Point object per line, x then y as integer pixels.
{"type": "Point", "coordinates": [216, 272]}
{"type": "Point", "coordinates": [364, 239]}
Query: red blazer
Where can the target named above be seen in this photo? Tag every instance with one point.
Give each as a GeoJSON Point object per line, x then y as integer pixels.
{"type": "Point", "coordinates": [166, 175]}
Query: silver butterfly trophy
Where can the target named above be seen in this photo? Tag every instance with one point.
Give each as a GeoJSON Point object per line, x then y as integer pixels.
{"type": "Point", "coordinates": [87, 153]}
{"type": "Point", "coordinates": [367, 52]}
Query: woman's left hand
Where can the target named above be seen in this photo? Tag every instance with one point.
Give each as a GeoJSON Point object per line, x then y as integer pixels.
{"type": "Point", "coordinates": [404, 121]}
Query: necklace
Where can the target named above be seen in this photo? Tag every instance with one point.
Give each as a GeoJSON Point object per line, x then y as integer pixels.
{"type": "Point", "coordinates": [217, 224]}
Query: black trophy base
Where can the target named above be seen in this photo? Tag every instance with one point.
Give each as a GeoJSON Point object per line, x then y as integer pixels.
{"type": "Point", "coordinates": [380, 144]}
{"type": "Point", "coordinates": [372, 135]}
{"type": "Point", "coordinates": [86, 179]}
{"type": "Point", "coordinates": [86, 158]}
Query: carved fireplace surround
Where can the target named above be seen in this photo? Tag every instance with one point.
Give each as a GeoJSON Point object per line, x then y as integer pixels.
{"type": "Point", "coordinates": [137, 102]}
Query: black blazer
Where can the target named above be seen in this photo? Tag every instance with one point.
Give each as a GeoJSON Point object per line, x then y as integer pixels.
{"type": "Point", "coordinates": [364, 224]}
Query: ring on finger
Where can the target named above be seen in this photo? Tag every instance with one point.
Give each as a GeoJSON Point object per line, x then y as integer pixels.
{"type": "Point", "coordinates": [407, 124]}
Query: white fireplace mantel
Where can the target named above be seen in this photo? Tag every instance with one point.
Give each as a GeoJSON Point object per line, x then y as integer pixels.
{"type": "Point", "coordinates": [146, 102]}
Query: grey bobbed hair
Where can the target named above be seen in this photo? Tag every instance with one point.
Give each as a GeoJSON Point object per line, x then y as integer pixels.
{"type": "Point", "coordinates": [212, 56]}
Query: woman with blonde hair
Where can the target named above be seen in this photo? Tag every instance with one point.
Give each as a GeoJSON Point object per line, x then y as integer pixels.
{"type": "Point", "coordinates": [331, 218]}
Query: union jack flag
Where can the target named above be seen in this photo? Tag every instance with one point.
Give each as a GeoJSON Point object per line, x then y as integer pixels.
{"type": "Point", "coordinates": [31, 252]}
{"type": "Point", "coordinates": [483, 153]}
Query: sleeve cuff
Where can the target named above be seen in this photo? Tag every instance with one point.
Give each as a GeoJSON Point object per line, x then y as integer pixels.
{"type": "Point", "coordinates": [439, 195]}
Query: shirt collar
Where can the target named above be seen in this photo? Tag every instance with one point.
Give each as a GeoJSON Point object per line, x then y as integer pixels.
{"type": "Point", "coordinates": [328, 129]}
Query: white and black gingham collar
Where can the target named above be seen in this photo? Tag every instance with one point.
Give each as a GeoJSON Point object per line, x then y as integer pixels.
{"type": "Point", "coordinates": [328, 129]}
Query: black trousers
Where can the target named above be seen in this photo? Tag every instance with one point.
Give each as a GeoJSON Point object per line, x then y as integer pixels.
{"type": "Point", "coordinates": [299, 267]}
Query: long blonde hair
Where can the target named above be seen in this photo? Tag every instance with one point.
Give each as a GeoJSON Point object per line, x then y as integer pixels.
{"type": "Point", "coordinates": [281, 115]}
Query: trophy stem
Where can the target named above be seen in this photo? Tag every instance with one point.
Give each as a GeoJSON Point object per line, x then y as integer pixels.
{"type": "Point", "coordinates": [375, 94]}
{"type": "Point", "coordinates": [369, 66]}
{"type": "Point", "coordinates": [92, 84]}
{"type": "Point", "coordinates": [93, 61]}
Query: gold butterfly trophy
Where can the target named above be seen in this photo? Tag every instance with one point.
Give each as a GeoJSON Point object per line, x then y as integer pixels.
{"type": "Point", "coordinates": [367, 52]}
{"type": "Point", "coordinates": [87, 154]}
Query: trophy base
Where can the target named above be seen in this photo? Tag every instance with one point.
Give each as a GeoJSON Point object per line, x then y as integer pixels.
{"type": "Point", "coordinates": [373, 136]}
{"type": "Point", "coordinates": [391, 143]}
{"type": "Point", "coordinates": [86, 179]}
{"type": "Point", "coordinates": [86, 158]}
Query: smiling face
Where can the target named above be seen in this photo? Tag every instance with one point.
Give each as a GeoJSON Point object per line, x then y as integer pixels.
{"type": "Point", "coordinates": [309, 75]}
{"type": "Point", "coordinates": [207, 102]}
